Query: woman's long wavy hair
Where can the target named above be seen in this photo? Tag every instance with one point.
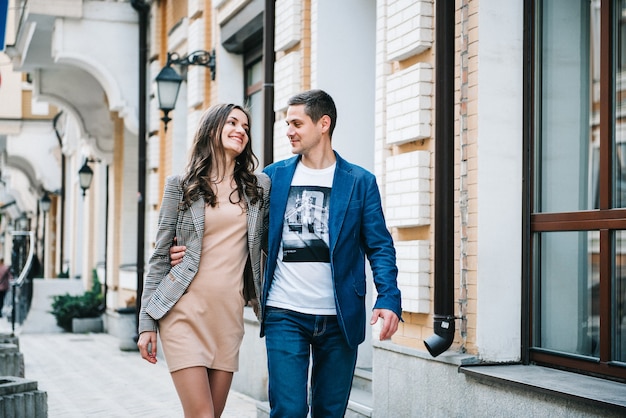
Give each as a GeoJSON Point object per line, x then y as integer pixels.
{"type": "Point", "coordinates": [208, 156]}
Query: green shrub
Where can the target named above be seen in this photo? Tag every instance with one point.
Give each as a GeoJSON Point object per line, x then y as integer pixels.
{"type": "Point", "coordinates": [88, 305]}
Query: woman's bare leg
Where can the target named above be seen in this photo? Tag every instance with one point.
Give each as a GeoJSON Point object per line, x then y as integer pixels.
{"type": "Point", "coordinates": [219, 381]}
{"type": "Point", "coordinates": [195, 392]}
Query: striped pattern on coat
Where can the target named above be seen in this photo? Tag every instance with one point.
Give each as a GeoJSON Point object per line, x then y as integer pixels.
{"type": "Point", "coordinates": [165, 284]}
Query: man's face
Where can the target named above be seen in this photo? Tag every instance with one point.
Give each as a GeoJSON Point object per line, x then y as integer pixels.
{"type": "Point", "coordinates": [302, 132]}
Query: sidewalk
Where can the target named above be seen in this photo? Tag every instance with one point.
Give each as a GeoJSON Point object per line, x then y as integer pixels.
{"type": "Point", "coordinates": [87, 375]}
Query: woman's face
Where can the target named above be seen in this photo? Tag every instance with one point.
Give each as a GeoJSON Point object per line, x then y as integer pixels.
{"type": "Point", "coordinates": [235, 133]}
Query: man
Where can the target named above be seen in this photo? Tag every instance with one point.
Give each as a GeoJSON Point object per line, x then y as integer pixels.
{"type": "Point", "coordinates": [325, 215]}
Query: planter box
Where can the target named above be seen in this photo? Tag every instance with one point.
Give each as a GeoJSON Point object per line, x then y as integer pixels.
{"type": "Point", "coordinates": [20, 398]}
{"type": "Point", "coordinates": [85, 325]}
{"type": "Point", "coordinates": [122, 324]}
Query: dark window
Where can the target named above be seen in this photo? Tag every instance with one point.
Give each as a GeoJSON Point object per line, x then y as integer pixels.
{"type": "Point", "coordinates": [253, 67]}
{"type": "Point", "coordinates": [578, 167]}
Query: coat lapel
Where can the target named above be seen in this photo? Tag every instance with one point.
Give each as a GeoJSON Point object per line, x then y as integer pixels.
{"type": "Point", "coordinates": [279, 193]}
{"type": "Point", "coordinates": [252, 218]}
{"type": "Point", "coordinates": [343, 183]}
{"type": "Point", "coordinates": [197, 215]}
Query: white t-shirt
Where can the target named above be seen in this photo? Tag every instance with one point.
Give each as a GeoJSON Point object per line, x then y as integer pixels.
{"type": "Point", "coordinates": [302, 279]}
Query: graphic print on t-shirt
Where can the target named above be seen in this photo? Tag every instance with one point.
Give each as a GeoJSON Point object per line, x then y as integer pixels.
{"type": "Point", "coordinates": [305, 228]}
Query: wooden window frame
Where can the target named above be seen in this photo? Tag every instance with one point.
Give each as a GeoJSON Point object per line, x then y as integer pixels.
{"type": "Point", "coordinates": [605, 219]}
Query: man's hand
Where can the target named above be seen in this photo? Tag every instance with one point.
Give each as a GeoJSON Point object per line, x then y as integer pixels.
{"type": "Point", "coordinates": [177, 252]}
{"type": "Point", "coordinates": [390, 322]}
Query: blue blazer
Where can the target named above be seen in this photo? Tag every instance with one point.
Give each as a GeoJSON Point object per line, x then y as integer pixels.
{"type": "Point", "coordinates": [356, 229]}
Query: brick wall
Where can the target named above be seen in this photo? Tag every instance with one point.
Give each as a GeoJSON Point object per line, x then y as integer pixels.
{"type": "Point", "coordinates": [404, 148]}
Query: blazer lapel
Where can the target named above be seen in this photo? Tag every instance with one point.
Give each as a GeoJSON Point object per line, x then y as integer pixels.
{"type": "Point", "coordinates": [279, 193]}
{"type": "Point", "coordinates": [343, 183]}
{"type": "Point", "coordinates": [252, 217]}
{"type": "Point", "coordinates": [197, 215]}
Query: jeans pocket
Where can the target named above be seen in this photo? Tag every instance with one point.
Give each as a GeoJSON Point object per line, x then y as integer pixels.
{"type": "Point", "coordinates": [272, 312]}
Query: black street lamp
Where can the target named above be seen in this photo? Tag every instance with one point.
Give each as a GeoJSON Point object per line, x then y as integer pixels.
{"type": "Point", "coordinates": [45, 202]}
{"type": "Point", "coordinates": [168, 84]}
{"type": "Point", "coordinates": [21, 223]}
{"type": "Point", "coordinates": [169, 81]}
{"type": "Point", "coordinates": [85, 175]}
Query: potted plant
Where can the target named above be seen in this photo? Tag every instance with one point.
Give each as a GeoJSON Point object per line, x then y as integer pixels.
{"type": "Point", "coordinates": [80, 313]}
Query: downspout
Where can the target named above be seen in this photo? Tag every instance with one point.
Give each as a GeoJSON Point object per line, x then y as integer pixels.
{"type": "Point", "coordinates": [143, 9]}
{"type": "Point", "coordinates": [444, 180]}
{"type": "Point", "coordinates": [55, 120]}
{"type": "Point", "coordinates": [106, 240]}
{"type": "Point", "coordinates": [268, 83]}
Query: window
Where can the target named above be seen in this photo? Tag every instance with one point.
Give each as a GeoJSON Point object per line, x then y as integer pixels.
{"type": "Point", "coordinates": [578, 163]}
{"type": "Point", "coordinates": [253, 64]}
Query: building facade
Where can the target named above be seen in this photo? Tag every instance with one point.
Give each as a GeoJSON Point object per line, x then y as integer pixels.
{"type": "Point", "coordinates": [494, 130]}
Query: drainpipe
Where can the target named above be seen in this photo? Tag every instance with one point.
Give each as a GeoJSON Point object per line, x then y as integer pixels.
{"type": "Point", "coordinates": [444, 180]}
{"type": "Point", "coordinates": [143, 9]}
{"type": "Point", "coordinates": [268, 83]}
{"type": "Point", "coordinates": [55, 120]}
{"type": "Point", "coordinates": [106, 241]}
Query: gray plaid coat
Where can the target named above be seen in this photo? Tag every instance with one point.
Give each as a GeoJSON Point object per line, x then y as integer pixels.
{"type": "Point", "coordinates": [164, 284]}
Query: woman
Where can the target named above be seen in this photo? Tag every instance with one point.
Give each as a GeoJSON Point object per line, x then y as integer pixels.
{"type": "Point", "coordinates": [5, 281]}
{"type": "Point", "coordinates": [217, 210]}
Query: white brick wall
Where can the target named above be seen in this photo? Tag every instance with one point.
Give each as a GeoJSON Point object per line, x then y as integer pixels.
{"type": "Point", "coordinates": [409, 28]}
{"type": "Point", "coordinates": [193, 118]}
{"type": "Point", "coordinates": [196, 74]}
{"type": "Point", "coordinates": [407, 199]}
{"type": "Point", "coordinates": [383, 69]}
{"type": "Point", "coordinates": [288, 24]}
{"type": "Point", "coordinates": [282, 149]}
{"type": "Point", "coordinates": [287, 75]}
{"type": "Point", "coordinates": [153, 154]}
{"type": "Point", "coordinates": [413, 259]}
{"type": "Point", "coordinates": [178, 37]}
{"type": "Point", "coordinates": [194, 7]}
{"type": "Point", "coordinates": [314, 43]}
{"type": "Point", "coordinates": [218, 3]}
{"type": "Point", "coordinates": [409, 104]}
{"type": "Point", "coordinates": [226, 9]}
{"type": "Point", "coordinates": [153, 196]}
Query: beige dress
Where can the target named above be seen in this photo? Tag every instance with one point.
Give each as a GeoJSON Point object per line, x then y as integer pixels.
{"type": "Point", "coordinates": [205, 327]}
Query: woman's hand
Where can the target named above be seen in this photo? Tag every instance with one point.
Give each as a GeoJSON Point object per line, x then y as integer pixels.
{"type": "Point", "coordinates": [148, 346]}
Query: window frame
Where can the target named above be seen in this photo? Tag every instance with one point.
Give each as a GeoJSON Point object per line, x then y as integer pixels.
{"type": "Point", "coordinates": [605, 219]}
{"type": "Point", "coordinates": [253, 55]}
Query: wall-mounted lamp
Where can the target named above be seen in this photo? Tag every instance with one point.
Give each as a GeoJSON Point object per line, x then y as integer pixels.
{"type": "Point", "coordinates": [85, 175]}
{"type": "Point", "coordinates": [169, 81]}
{"type": "Point", "coordinates": [45, 202]}
{"type": "Point", "coordinates": [21, 223]}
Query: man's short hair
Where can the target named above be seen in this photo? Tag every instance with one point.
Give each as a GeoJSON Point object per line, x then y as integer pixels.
{"type": "Point", "coordinates": [317, 103]}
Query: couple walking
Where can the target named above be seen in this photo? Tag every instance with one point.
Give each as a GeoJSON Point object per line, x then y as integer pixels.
{"type": "Point", "coordinates": [317, 221]}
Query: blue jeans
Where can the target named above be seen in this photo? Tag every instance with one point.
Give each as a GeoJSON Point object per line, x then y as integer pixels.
{"type": "Point", "coordinates": [291, 338]}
